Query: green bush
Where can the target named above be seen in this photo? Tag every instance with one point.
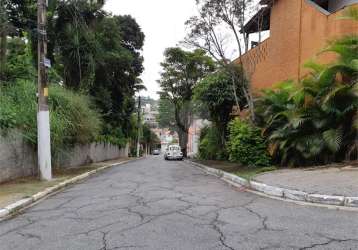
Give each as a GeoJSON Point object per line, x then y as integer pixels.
{"type": "Point", "coordinates": [246, 145]}
{"type": "Point", "coordinates": [209, 147]}
{"type": "Point", "coordinates": [73, 119]}
{"type": "Point", "coordinates": [114, 136]}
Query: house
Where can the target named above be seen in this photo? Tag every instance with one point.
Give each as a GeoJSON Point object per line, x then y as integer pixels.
{"type": "Point", "coordinates": [298, 29]}
{"type": "Point", "coordinates": [194, 136]}
{"type": "Point", "coordinates": [150, 114]}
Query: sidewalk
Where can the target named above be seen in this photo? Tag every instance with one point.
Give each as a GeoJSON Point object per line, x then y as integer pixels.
{"type": "Point", "coordinates": [339, 181]}
{"type": "Point", "coordinates": [334, 184]}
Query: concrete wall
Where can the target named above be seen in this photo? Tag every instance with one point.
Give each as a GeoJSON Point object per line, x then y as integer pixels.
{"type": "Point", "coordinates": [86, 154]}
{"type": "Point", "coordinates": [18, 159]}
{"type": "Point", "coordinates": [298, 32]}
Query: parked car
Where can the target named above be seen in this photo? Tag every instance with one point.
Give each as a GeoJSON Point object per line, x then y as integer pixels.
{"type": "Point", "coordinates": [173, 152]}
{"type": "Point", "coordinates": [156, 152]}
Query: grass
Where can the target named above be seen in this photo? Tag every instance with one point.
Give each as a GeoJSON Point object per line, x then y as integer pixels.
{"type": "Point", "coordinates": [249, 173]}
{"type": "Point", "coordinates": [237, 169]}
{"type": "Point", "coordinates": [25, 187]}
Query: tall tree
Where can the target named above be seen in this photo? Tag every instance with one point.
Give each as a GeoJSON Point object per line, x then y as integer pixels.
{"type": "Point", "coordinates": [181, 71]}
{"type": "Point", "coordinates": [75, 37]}
{"type": "Point", "coordinates": [166, 117]}
{"type": "Point", "coordinates": [207, 33]}
{"type": "Point", "coordinates": [118, 65]}
{"type": "Point", "coordinates": [92, 51]}
{"type": "Point", "coordinates": [215, 94]}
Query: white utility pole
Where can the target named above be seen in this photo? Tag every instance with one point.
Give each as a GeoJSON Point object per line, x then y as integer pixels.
{"type": "Point", "coordinates": [43, 114]}
{"type": "Point", "coordinates": [139, 126]}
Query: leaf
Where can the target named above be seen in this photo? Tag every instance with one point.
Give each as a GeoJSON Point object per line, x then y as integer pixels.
{"type": "Point", "coordinates": [333, 139]}
{"type": "Point", "coordinates": [316, 67]}
{"type": "Point", "coordinates": [355, 122]}
{"type": "Point", "coordinates": [355, 64]}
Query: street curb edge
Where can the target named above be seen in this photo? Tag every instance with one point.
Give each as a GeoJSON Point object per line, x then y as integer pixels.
{"type": "Point", "coordinates": [26, 202]}
{"type": "Point", "coordinates": [278, 192]}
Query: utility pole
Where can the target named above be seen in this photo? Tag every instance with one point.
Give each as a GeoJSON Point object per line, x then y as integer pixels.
{"type": "Point", "coordinates": [43, 114]}
{"type": "Point", "coordinates": [139, 127]}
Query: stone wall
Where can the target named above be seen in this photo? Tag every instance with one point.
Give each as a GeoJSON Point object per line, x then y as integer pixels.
{"type": "Point", "coordinates": [18, 159]}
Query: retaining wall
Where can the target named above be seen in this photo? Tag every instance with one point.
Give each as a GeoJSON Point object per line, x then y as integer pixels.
{"type": "Point", "coordinates": [18, 159]}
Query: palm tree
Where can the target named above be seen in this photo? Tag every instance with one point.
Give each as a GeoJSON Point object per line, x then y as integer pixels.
{"type": "Point", "coordinates": [316, 121]}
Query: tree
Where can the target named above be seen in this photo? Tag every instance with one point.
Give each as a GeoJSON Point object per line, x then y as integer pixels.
{"type": "Point", "coordinates": [74, 34]}
{"type": "Point", "coordinates": [166, 116]}
{"type": "Point", "coordinates": [92, 52]}
{"type": "Point", "coordinates": [181, 71]}
{"type": "Point", "coordinates": [19, 60]}
{"type": "Point", "coordinates": [149, 139]}
{"type": "Point", "coordinates": [118, 66]}
{"type": "Point", "coordinates": [206, 32]}
{"type": "Point", "coordinates": [215, 93]}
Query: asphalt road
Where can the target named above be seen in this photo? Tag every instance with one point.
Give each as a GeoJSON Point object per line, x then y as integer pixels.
{"type": "Point", "coordinates": [153, 204]}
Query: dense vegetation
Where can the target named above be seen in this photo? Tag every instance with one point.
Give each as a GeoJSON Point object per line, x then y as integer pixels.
{"type": "Point", "coordinates": [310, 122]}
{"type": "Point", "coordinates": [96, 61]}
{"type": "Point", "coordinates": [246, 145]}
{"type": "Point", "coordinates": [315, 121]}
{"type": "Point", "coordinates": [214, 94]}
{"type": "Point", "coordinates": [209, 147]}
{"type": "Point", "coordinates": [181, 72]}
{"type": "Point", "coordinates": [74, 120]}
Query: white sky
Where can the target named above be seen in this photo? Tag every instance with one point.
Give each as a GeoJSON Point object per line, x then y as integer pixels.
{"type": "Point", "coordinates": [162, 22]}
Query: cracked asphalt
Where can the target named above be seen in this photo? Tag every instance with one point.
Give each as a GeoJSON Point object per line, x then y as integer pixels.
{"type": "Point", "coordinates": [153, 204]}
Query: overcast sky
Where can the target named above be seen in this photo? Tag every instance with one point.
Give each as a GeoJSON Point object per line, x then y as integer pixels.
{"type": "Point", "coordinates": [162, 21]}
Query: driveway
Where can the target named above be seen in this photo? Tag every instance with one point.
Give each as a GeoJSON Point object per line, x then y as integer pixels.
{"type": "Point", "coordinates": [154, 204]}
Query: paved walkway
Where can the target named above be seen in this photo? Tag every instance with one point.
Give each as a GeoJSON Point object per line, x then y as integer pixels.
{"type": "Point", "coordinates": [153, 204]}
{"type": "Point", "coordinates": [329, 181]}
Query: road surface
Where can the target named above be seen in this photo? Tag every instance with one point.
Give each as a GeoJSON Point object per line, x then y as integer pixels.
{"type": "Point", "coordinates": [154, 204]}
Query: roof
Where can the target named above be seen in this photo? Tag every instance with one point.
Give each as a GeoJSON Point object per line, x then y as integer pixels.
{"type": "Point", "coordinates": [263, 2]}
{"type": "Point", "coordinates": [259, 22]}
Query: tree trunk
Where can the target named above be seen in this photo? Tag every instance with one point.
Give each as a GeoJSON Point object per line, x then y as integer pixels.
{"type": "Point", "coordinates": [183, 117]}
{"type": "Point", "coordinates": [234, 91]}
{"type": "Point", "coordinates": [183, 141]}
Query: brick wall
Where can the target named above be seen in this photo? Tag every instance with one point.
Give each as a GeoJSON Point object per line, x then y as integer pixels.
{"type": "Point", "coordinates": [298, 32]}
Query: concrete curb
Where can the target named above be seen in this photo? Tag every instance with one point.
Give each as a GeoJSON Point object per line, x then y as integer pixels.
{"type": "Point", "coordinates": [277, 192]}
{"type": "Point", "coordinates": [26, 202]}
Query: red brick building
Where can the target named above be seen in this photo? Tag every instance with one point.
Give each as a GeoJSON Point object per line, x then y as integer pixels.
{"type": "Point", "coordinates": [299, 29]}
